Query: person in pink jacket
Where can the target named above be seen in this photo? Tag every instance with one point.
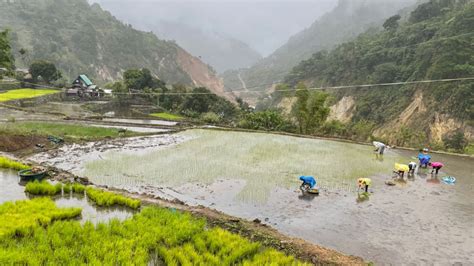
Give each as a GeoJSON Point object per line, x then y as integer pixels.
{"type": "Point", "coordinates": [436, 166]}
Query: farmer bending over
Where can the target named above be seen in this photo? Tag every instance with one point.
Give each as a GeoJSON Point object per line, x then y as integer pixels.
{"type": "Point", "coordinates": [424, 158]}
{"type": "Point", "coordinates": [400, 169]}
{"type": "Point", "coordinates": [412, 167]}
{"type": "Point", "coordinates": [379, 147]}
{"type": "Point", "coordinates": [435, 167]}
{"type": "Point", "coordinates": [308, 183]}
{"type": "Point", "coordinates": [364, 183]}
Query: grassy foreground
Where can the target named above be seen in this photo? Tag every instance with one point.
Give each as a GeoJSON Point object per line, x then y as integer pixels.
{"type": "Point", "coordinates": [154, 235]}
{"type": "Point", "coordinates": [24, 94]}
{"type": "Point", "coordinates": [62, 129]}
{"type": "Point", "coordinates": [168, 116]}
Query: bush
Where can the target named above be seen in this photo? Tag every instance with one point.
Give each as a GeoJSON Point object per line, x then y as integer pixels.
{"type": "Point", "coordinates": [210, 117]}
{"type": "Point", "coordinates": [264, 120]}
{"type": "Point", "coordinates": [334, 128]}
{"type": "Point", "coordinates": [456, 141]}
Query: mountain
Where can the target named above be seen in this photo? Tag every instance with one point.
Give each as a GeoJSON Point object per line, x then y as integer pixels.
{"type": "Point", "coordinates": [82, 38]}
{"type": "Point", "coordinates": [220, 51]}
{"type": "Point", "coordinates": [434, 43]}
{"type": "Point", "coordinates": [348, 19]}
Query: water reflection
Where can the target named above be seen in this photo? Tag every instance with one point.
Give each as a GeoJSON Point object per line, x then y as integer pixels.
{"type": "Point", "coordinates": [12, 189]}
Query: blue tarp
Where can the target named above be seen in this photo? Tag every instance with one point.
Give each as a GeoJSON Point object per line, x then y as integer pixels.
{"type": "Point", "coordinates": [308, 180]}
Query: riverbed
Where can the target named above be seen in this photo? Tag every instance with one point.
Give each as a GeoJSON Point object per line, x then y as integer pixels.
{"type": "Point", "coordinates": [254, 175]}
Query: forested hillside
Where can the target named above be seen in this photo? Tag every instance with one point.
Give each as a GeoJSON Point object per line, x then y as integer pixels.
{"type": "Point", "coordinates": [82, 38]}
{"type": "Point", "coordinates": [436, 42]}
{"type": "Point", "coordinates": [345, 22]}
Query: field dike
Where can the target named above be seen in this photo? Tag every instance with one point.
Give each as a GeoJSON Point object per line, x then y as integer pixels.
{"type": "Point", "coordinates": [252, 230]}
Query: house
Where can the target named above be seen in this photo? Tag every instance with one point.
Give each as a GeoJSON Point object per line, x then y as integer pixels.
{"type": "Point", "coordinates": [82, 86]}
{"type": "Point", "coordinates": [82, 82]}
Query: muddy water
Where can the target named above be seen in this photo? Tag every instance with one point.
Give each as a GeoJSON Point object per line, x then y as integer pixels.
{"type": "Point", "coordinates": [12, 190]}
{"type": "Point", "coordinates": [420, 221]}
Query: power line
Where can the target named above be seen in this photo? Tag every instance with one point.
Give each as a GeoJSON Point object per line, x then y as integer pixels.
{"type": "Point", "coordinates": [318, 88]}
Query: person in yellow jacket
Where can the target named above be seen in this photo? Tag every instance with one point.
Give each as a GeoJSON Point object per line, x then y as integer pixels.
{"type": "Point", "coordinates": [364, 183]}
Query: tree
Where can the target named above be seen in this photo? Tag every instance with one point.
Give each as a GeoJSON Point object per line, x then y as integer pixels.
{"type": "Point", "coordinates": [310, 109]}
{"type": "Point", "coordinates": [139, 79]}
{"type": "Point", "coordinates": [6, 57]}
{"type": "Point", "coordinates": [44, 69]}
{"type": "Point", "coordinates": [318, 111]}
{"type": "Point", "coordinates": [391, 23]}
{"type": "Point", "coordinates": [300, 110]}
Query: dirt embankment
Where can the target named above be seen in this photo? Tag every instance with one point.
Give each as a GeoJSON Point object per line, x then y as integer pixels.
{"type": "Point", "coordinates": [20, 144]}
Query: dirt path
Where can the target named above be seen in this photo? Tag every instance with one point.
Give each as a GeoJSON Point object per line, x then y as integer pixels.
{"type": "Point", "coordinates": [244, 86]}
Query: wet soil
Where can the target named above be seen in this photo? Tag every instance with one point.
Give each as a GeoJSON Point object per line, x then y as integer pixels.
{"type": "Point", "coordinates": [21, 143]}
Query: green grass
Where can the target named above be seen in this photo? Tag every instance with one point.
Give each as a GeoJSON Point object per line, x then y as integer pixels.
{"type": "Point", "coordinates": [23, 217]}
{"type": "Point", "coordinates": [43, 188]}
{"type": "Point", "coordinates": [64, 130]}
{"type": "Point", "coordinates": [168, 116]}
{"type": "Point", "coordinates": [106, 198]}
{"type": "Point", "coordinates": [11, 164]}
{"type": "Point", "coordinates": [24, 94]}
{"type": "Point", "coordinates": [156, 235]}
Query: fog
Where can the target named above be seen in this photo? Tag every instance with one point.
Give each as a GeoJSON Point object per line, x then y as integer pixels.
{"type": "Point", "coordinates": [264, 24]}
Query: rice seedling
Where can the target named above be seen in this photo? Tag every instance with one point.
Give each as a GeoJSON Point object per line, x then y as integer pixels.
{"type": "Point", "coordinates": [154, 234]}
{"type": "Point", "coordinates": [67, 188]}
{"type": "Point", "coordinates": [22, 217]}
{"type": "Point", "coordinates": [106, 198]}
{"type": "Point", "coordinates": [43, 188]}
{"type": "Point", "coordinates": [78, 188]}
{"type": "Point", "coordinates": [11, 164]}
{"type": "Point", "coordinates": [24, 94]}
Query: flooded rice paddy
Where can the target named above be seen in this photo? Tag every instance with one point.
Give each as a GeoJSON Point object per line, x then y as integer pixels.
{"type": "Point", "coordinates": [11, 189]}
{"type": "Point", "coordinates": [251, 175]}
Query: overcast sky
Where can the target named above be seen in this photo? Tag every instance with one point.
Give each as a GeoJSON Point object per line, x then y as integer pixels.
{"type": "Point", "coordinates": [263, 24]}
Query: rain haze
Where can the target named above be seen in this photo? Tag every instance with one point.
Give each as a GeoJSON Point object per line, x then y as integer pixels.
{"type": "Point", "coordinates": [263, 25]}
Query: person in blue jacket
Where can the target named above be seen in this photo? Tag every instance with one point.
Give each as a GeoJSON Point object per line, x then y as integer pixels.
{"type": "Point", "coordinates": [309, 183]}
{"type": "Point", "coordinates": [424, 159]}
